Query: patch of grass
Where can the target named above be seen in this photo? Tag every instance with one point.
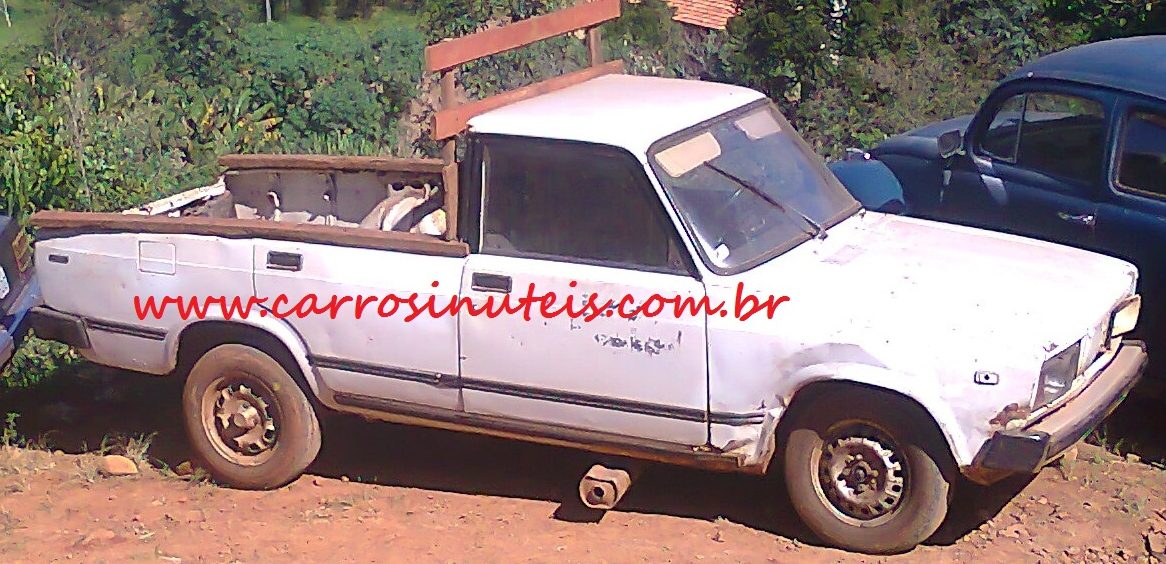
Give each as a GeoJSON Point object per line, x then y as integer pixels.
{"type": "Point", "coordinates": [1112, 443]}
{"type": "Point", "coordinates": [88, 469]}
{"type": "Point", "coordinates": [30, 20]}
{"type": "Point", "coordinates": [381, 18]}
{"type": "Point", "coordinates": [8, 436]}
{"type": "Point", "coordinates": [135, 448]}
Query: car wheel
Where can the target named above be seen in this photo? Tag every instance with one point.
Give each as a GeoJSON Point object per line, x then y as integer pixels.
{"type": "Point", "coordinates": [250, 426]}
{"type": "Point", "coordinates": [864, 476]}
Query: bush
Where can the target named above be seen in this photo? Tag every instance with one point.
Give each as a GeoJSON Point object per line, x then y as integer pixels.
{"type": "Point", "coordinates": [325, 79]}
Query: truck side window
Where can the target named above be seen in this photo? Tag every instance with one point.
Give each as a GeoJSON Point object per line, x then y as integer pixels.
{"type": "Point", "coordinates": [1063, 136]}
{"type": "Point", "coordinates": [1002, 135]}
{"type": "Point", "coordinates": [1142, 165]}
{"type": "Point", "coordinates": [578, 202]}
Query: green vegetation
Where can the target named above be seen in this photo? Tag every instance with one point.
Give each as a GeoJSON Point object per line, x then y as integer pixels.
{"type": "Point", "coordinates": [851, 77]}
{"type": "Point", "coordinates": [105, 104]}
{"type": "Point", "coordinates": [29, 19]}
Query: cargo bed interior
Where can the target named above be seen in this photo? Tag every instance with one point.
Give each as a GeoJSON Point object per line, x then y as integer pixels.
{"type": "Point", "coordinates": [341, 198]}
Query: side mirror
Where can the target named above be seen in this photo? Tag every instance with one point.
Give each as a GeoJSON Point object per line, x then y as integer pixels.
{"type": "Point", "coordinates": [951, 144]}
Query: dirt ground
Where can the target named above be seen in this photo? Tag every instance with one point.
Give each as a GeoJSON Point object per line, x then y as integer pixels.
{"type": "Point", "coordinates": [389, 493]}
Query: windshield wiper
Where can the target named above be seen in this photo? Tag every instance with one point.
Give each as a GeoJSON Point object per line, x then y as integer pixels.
{"type": "Point", "coordinates": [818, 231]}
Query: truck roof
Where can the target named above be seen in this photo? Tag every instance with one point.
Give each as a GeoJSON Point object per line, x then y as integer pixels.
{"type": "Point", "coordinates": [631, 112]}
{"type": "Point", "coordinates": [1133, 64]}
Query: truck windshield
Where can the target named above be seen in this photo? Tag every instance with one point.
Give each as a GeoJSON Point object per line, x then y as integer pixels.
{"type": "Point", "coordinates": [748, 187]}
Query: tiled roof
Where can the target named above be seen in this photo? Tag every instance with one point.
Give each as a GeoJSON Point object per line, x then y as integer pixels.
{"type": "Point", "coordinates": [705, 13]}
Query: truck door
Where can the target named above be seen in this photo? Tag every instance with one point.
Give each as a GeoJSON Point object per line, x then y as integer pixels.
{"type": "Point", "coordinates": [374, 361]}
{"type": "Point", "coordinates": [1130, 219]}
{"type": "Point", "coordinates": [578, 220]}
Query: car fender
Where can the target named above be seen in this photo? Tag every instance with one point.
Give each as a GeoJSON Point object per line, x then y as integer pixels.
{"type": "Point", "coordinates": [871, 183]}
{"type": "Point", "coordinates": [920, 389]}
{"type": "Point", "coordinates": [270, 324]}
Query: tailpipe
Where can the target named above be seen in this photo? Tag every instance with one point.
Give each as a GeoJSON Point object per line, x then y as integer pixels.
{"type": "Point", "coordinates": [602, 487]}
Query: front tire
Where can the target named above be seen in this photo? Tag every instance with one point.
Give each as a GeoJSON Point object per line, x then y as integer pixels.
{"type": "Point", "coordinates": [249, 424]}
{"type": "Point", "coordinates": [865, 475]}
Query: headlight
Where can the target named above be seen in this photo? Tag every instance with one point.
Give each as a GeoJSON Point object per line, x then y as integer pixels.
{"type": "Point", "coordinates": [1125, 318]}
{"type": "Point", "coordinates": [1057, 374]}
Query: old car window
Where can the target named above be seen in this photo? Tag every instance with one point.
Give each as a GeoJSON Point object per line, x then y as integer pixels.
{"type": "Point", "coordinates": [575, 202]}
{"type": "Point", "coordinates": [748, 187]}
{"type": "Point", "coordinates": [1000, 138]}
{"type": "Point", "coordinates": [1062, 135]}
{"type": "Point", "coordinates": [1142, 165]}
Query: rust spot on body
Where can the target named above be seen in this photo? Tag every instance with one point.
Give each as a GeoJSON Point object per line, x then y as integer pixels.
{"type": "Point", "coordinates": [1010, 412]}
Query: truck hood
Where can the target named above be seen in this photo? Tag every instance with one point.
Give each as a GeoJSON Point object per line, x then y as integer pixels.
{"type": "Point", "coordinates": [898, 280]}
{"type": "Point", "coordinates": [922, 142]}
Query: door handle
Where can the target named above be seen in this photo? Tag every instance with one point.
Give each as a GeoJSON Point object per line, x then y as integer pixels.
{"type": "Point", "coordinates": [284, 261]}
{"type": "Point", "coordinates": [482, 282]}
{"type": "Point", "coordinates": [1086, 219]}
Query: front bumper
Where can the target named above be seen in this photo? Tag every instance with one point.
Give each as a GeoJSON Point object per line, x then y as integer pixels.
{"type": "Point", "coordinates": [14, 324]}
{"type": "Point", "coordinates": [1027, 450]}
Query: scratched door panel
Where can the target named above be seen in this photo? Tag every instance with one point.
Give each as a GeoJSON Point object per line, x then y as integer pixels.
{"type": "Point", "coordinates": [382, 355]}
{"type": "Point", "coordinates": [642, 377]}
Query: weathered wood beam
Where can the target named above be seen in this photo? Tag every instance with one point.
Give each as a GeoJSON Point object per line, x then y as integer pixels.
{"type": "Point", "coordinates": [454, 52]}
{"type": "Point", "coordinates": [450, 122]}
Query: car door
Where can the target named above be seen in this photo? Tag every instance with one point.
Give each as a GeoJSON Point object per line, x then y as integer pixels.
{"type": "Point", "coordinates": [379, 359]}
{"type": "Point", "coordinates": [1036, 160]}
{"type": "Point", "coordinates": [580, 222]}
{"type": "Point", "coordinates": [1131, 219]}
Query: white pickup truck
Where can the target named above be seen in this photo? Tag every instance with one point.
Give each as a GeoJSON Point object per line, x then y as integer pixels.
{"type": "Point", "coordinates": [908, 351]}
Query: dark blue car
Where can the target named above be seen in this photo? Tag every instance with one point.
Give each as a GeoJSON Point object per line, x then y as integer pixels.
{"type": "Point", "coordinates": [1070, 148]}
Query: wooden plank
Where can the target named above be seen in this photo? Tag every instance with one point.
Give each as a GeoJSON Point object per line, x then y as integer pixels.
{"type": "Point", "coordinates": [330, 162]}
{"type": "Point", "coordinates": [595, 46]}
{"type": "Point", "coordinates": [54, 223]}
{"type": "Point", "coordinates": [450, 122]}
{"type": "Point", "coordinates": [450, 183]}
{"type": "Point", "coordinates": [451, 53]}
{"type": "Point", "coordinates": [448, 101]}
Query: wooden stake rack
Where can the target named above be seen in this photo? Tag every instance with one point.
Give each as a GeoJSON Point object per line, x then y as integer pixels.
{"type": "Point", "coordinates": [445, 58]}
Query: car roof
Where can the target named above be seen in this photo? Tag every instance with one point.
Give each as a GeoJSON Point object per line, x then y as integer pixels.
{"type": "Point", "coordinates": [625, 111]}
{"type": "Point", "coordinates": [1133, 64]}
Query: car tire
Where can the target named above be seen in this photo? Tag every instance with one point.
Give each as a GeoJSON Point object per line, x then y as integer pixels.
{"type": "Point", "coordinates": [249, 424]}
{"type": "Point", "coordinates": [866, 475]}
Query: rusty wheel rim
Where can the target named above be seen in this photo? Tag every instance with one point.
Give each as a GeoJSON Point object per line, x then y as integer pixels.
{"type": "Point", "coordinates": [241, 419]}
{"type": "Point", "coordinates": [861, 474]}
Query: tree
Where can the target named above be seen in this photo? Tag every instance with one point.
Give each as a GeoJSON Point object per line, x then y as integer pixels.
{"type": "Point", "coordinates": [782, 47]}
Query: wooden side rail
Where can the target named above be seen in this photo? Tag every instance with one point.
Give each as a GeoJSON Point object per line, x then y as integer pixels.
{"type": "Point", "coordinates": [54, 223]}
{"type": "Point", "coordinates": [449, 54]}
{"type": "Point", "coordinates": [330, 163]}
{"type": "Point", "coordinates": [448, 123]}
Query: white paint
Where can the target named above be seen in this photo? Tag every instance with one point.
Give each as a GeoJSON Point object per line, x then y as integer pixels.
{"type": "Point", "coordinates": [659, 361]}
{"type": "Point", "coordinates": [621, 110]}
{"type": "Point", "coordinates": [156, 257]}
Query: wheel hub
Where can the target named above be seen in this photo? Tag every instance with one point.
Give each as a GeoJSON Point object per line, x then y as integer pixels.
{"type": "Point", "coordinates": [862, 477]}
{"type": "Point", "coordinates": [243, 420]}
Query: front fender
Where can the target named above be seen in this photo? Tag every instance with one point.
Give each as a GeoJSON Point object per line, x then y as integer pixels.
{"type": "Point", "coordinates": [923, 391]}
{"type": "Point", "coordinates": [871, 183]}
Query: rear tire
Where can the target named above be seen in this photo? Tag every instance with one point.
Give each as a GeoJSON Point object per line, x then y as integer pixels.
{"type": "Point", "coordinates": [866, 475]}
{"type": "Point", "coordinates": [249, 424]}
